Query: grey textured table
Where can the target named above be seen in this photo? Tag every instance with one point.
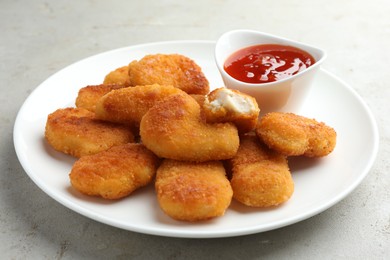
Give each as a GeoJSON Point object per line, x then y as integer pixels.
{"type": "Point", "coordinates": [40, 37]}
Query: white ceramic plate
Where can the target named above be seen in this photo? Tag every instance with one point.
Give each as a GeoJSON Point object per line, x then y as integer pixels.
{"type": "Point", "coordinates": [319, 183]}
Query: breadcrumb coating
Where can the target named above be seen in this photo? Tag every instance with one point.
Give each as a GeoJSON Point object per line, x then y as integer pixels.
{"type": "Point", "coordinates": [76, 131]}
{"type": "Point", "coordinates": [294, 135]}
{"type": "Point", "coordinates": [260, 176]}
{"type": "Point", "coordinates": [169, 69]}
{"type": "Point", "coordinates": [114, 173]}
{"type": "Point", "coordinates": [192, 191]}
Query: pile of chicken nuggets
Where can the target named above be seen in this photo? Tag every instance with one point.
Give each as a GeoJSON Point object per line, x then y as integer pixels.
{"type": "Point", "coordinates": [155, 122]}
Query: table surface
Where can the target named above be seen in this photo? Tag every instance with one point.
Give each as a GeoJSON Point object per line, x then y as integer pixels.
{"type": "Point", "coordinates": [39, 38]}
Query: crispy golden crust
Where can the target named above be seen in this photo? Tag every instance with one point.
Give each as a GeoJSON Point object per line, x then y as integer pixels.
{"type": "Point", "coordinates": [260, 177]}
{"type": "Point", "coordinates": [89, 95]}
{"type": "Point", "coordinates": [114, 173]}
{"type": "Point", "coordinates": [76, 132]}
{"type": "Point", "coordinates": [169, 69]}
{"type": "Point", "coordinates": [118, 76]}
{"type": "Point", "coordinates": [229, 105]}
{"type": "Point", "coordinates": [192, 191]}
{"type": "Point", "coordinates": [129, 105]}
{"type": "Point", "coordinates": [200, 99]}
{"type": "Point", "coordinates": [293, 135]}
{"type": "Point", "coordinates": [173, 128]}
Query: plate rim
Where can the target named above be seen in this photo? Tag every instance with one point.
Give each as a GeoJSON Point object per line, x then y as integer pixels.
{"type": "Point", "coordinates": [185, 233]}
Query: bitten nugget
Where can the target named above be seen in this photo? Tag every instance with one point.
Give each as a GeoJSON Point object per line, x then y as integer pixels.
{"type": "Point", "coordinates": [119, 76]}
{"type": "Point", "coordinates": [292, 135]}
{"type": "Point", "coordinates": [75, 131]}
{"type": "Point", "coordinates": [169, 69]}
{"type": "Point", "coordinates": [129, 105]}
{"type": "Point", "coordinates": [173, 128]}
{"type": "Point", "coordinates": [114, 173]}
{"type": "Point", "coordinates": [226, 105]}
{"type": "Point", "coordinates": [193, 191]}
{"type": "Point", "coordinates": [260, 176]}
{"type": "Point", "coordinates": [88, 96]}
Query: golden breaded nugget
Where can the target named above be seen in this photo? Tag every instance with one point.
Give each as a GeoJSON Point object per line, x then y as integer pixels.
{"type": "Point", "coordinates": [293, 135]}
{"type": "Point", "coordinates": [129, 105]}
{"type": "Point", "coordinates": [169, 69]}
{"type": "Point", "coordinates": [76, 131]}
{"type": "Point", "coordinates": [260, 176]}
{"type": "Point", "coordinates": [199, 98]}
{"type": "Point", "coordinates": [173, 128]}
{"type": "Point", "coordinates": [114, 173]}
{"type": "Point", "coordinates": [88, 96]}
{"type": "Point", "coordinates": [119, 76]}
{"type": "Point", "coordinates": [192, 191]}
{"type": "Point", "coordinates": [228, 105]}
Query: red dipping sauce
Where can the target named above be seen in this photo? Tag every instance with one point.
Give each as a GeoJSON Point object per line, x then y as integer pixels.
{"type": "Point", "coordinates": [267, 63]}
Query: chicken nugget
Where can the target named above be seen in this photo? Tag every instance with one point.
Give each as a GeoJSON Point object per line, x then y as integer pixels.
{"type": "Point", "coordinates": [227, 105]}
{"type": "Point", "coordinates": [192, 191]}
{"type": "Point", "coordinates": [119, 76]}
{"type": "Point", "coordinates": [76, 131]}
{"type": "Point", "coordinates": [199, 98]}
{"type": "Point", "coordinates": [293, 135]}
{"type": "Point", "coordinates": [88, 96]}
{"type": "Point", "coordinates": [260, 176]}
{"type": "Point", "coordinates": [173, 128]}
{"type": "Point", "coordinates": [129, 105]}
{"type": "Point", "coordinates": [114, 173]}
{"type": "Point", "coordinates": [169, 69]}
